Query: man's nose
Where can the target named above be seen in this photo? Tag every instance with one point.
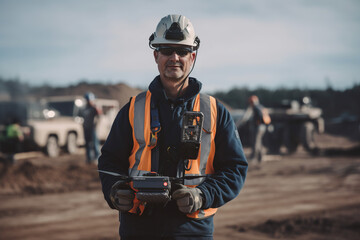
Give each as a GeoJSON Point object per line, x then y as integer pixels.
{"type": "Point", "coordinates": [174, 56]}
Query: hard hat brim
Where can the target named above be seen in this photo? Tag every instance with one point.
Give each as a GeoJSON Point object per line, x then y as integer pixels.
{"type": "Point", "coordinates": [159, 41]}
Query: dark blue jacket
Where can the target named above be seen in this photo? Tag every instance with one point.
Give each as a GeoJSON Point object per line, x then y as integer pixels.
{"type": "Point", "coordinates": [230, 166]}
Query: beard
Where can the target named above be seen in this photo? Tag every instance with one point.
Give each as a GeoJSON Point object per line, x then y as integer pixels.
{"type": "Point", "coordinates": [174, 72]}
{"type": "Point", "coordinates": [173, 78]}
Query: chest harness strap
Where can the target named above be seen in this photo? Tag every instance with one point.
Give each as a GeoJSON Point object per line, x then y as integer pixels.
{"type": "Point", "coordinates": [155, 128]}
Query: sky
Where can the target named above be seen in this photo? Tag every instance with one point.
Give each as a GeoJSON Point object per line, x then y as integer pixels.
{"type": "Point", "coordinates": [311, 44]}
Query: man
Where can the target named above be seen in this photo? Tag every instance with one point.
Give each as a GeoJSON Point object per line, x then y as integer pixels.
{"type": "Point", "coordinates": [258, 118]}
{"type": "Point", "coordinates": [90, 115]}
{"type": "Point", "coordinates": [150, 135]}
{"type": "Point", "coordinates": [14, 136]}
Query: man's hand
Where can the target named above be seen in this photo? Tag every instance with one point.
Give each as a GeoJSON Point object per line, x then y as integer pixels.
{"type": "Point", "coordinates": [122, 196]}
{"type": "Point", "coordinates": [188, 199]}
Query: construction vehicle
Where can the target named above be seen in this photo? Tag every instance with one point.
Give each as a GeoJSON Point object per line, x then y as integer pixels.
{"type": "Point", "coordinates": [292, 124]}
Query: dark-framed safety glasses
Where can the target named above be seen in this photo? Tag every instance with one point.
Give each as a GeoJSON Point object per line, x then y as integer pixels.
{"type": "Point", "coordinates": [180, 51]}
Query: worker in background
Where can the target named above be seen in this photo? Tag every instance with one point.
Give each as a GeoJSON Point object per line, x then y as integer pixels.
{"type": "Point", "coordinates": [14, 136]}
{"type": "Point", "coordinates": [90, 116]}
{"type": "Point", "coordinates": [11, 140]}
{"type": "Point", "coordinates": [146, 138]}
{"type": "Point", "coordinates": [258, 117]}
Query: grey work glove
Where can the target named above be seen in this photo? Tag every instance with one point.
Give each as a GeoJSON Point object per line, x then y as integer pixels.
{"type": "Point", "coordinates": [122, 196]}
{"type": "Point", "coordinates": [188, 199]}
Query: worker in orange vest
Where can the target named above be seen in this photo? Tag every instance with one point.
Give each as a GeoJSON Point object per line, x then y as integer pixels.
{"type": "Point", "coordinates": [172, 132]}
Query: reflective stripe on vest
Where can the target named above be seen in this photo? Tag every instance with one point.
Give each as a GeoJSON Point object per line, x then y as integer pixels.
{"type": "Point", "coordinates": [140, 157]}
{"type": "Point", "coordinates": [141, 153]}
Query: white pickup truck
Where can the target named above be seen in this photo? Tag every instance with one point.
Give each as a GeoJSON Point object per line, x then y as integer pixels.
{"type": "Point", "coordinates": [43, 128]}
{"type": "Point", "coordinates": [53, 123]}
{"type": "Point", "coordinates": [71, 106]}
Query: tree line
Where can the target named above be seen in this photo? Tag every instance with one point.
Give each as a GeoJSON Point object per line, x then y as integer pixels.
{"type": "Point", "coordinates": [333, 102]}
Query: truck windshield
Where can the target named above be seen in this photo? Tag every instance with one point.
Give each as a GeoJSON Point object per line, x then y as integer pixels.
{"type": "Point", "coordinates": [64, 108]}
{"type": "Point", "coordinates": [22, 111]}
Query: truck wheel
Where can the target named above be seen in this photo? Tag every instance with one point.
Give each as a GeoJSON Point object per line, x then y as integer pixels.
{"type": "Point", "coordinates": [71, 145]}
{"type": "Point", "coordinates": [52, 147]}
{"type": "Point", "coordinates": [307, 137]}
{"type": "Point", "coordinates": [272, 139]}
{"type": "Point", "coordinates": [290, 140]}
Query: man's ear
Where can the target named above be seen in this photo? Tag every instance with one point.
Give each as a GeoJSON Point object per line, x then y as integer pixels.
{"type": "Point", "coordinates": [193, 55]}
{"type": "Point", "coordinates": [156, 54]}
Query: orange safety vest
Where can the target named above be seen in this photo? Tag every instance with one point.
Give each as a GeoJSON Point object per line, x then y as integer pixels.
{"type": "Point", "coordinates": [140, 157]}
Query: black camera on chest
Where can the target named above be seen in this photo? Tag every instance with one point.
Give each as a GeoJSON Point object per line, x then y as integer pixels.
{"type": "Point", "coordinates": [191, 130]}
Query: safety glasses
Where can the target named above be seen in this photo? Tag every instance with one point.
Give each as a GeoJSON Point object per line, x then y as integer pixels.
{"type": "Point", "coordinates": [168, 51]}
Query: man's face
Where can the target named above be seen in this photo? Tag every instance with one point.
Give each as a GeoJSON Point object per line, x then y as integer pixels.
{"type": "Point", "coordinates": [174, 67]}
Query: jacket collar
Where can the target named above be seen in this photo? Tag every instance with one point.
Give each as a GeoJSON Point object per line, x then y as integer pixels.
{"type": "Point", "coordinates": [157, 90]}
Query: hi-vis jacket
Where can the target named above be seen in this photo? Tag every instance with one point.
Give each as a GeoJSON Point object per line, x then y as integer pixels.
{"type": "Point", "coordinates": [140, 159]}
{"type": "Point", "coordinates": [125, 152]}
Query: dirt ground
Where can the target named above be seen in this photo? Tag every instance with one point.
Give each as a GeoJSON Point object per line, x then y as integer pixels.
{"type": "Point", "coordinates": [295, 196]}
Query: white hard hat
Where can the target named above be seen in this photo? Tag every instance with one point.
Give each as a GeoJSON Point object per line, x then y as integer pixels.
{"type": "Point", "coordinates": [174, 29]}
